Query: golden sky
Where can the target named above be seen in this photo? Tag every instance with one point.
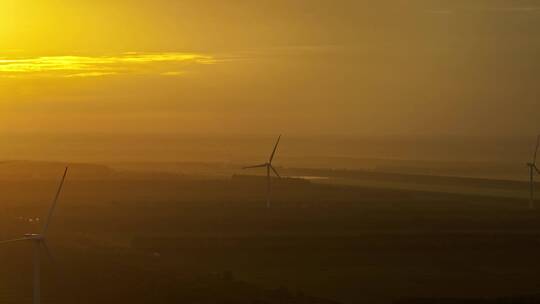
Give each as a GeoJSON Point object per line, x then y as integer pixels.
{"type": "Point", "coordinates": [308, 66]}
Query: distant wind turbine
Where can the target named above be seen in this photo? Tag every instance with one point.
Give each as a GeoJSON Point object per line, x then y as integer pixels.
{"type": "Point", "coordinates": [532, 170]}
{"type": "Point", "coordinates": [269, 167]}
{"type": "Point", "coordinates": [39, 242]}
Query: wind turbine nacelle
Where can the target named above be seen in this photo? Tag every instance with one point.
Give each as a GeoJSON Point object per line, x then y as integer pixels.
{"type": "Point", "coordinates": [34, 236]}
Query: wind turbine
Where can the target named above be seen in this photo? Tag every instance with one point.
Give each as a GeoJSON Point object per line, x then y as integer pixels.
{"type": "Point", "coordinates": [39, 242]}
{"type": "Point", "coordinates": [269, 167]}
{"type": "Point", "coordinates": [532, 169]}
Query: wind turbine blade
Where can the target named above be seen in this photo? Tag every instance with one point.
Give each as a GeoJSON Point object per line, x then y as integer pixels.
{"type": "Point", "coordinates": [15, 240]}
{"type": "Point", "coordinates": [256, 166]}
{"type": "Point", "coordinates": [274, 151]}
{"type": "Point", "coordinates": [536, 150]}
{"type": "Point", "coordinates": [47, 251]}
{"type": "Point", "coordinates": [275, 171]}
{"type": "Point", "coordinates": [51, 211]}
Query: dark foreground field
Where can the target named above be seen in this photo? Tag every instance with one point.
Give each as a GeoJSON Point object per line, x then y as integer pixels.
{"type": "Point", "coordinates": [123, 238]}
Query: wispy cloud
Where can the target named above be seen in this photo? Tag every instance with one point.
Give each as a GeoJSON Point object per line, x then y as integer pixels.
{"type": "Point", "coordinates": [92, 66]}
{"type": "Point", "coordinates": [173, 73]}
{"type": "Point", "coordinates": [514, 9]}
{"type": "Point", "coordinates": [91, 74]}
{"type": "Point", "coordinates": [485, 9]}
{"type": "Point", "coordinates": [440, 11]}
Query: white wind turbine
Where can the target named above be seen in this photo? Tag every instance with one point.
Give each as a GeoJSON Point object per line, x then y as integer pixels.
{"type": "Point", "coordinates": [39, 242]}
{"type": "Point", "coordinates": [268, 166]}
{"type": "Point", "coordinates": [533, 169]}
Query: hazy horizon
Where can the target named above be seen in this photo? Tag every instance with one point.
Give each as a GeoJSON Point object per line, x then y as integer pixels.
{"type": "Point", "coordinates": [295, 150]}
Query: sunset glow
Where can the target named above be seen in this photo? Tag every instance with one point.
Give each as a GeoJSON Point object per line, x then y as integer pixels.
{"type": "Point", "coordinates": [270, 151]}
{"type": "Point", "coordinates": [88, 66]}
{"type": "Point", "coordinates": [385, 67]}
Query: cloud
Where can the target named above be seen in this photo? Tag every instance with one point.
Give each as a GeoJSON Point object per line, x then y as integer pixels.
{"type": "Point", "coordinates": [173, 73]}
{"type": "Point", "coordinates": [514, 9]}
{"type": "Point", "coordinates": [91, 74]}
{"type": "Point", "coordinates": [485, 9]}
{"type": "Point", "coordinates": [91, 66]}
{"type": "Point", "coordinates": [440, 12]}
